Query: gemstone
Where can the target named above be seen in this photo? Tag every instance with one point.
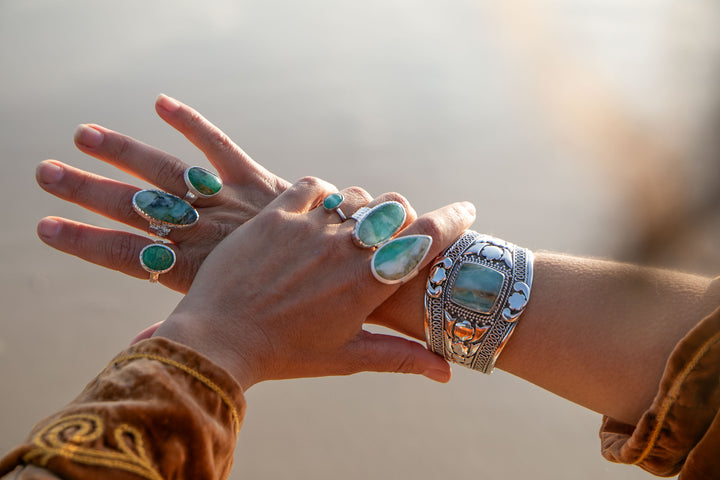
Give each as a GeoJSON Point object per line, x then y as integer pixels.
{"type": "Point", "coordinates": [477, 287]}
{"type": "Point", "coordinates": [203, 181]}
{"type": "Point", "coordinates": [166, 208]}
{"type": "Point", "coordinates": [157, 258]}
{"type": "Point", "coordinates": [379, 224]}
{"type": "Point", "coordinates": [333, 201]}
{"type": "Point", "coordinates": [396, 260]}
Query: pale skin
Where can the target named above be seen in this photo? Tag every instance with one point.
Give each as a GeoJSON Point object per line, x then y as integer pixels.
{"type": "Point", "coordinates": [595, 332]}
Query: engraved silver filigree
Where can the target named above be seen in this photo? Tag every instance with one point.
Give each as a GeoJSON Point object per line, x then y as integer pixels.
{"type": "Point", "coordinates": [467, 336]}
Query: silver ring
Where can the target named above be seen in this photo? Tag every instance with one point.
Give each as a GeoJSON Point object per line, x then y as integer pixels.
{"type": "Point", "coordinates": [475, 293]}
{"type": "Point", "coordinates": [201, 183]}
{"type": "Point", "coordinates": [375, 226]}
{"type": "Point", "coordinates": [157, 258]}
{"type": "Point", "coordinates": [399, 259]}
{"type": "Point", "coordinates": [332, 203]}
{"type": "Point", "coordinates": [164, 211]}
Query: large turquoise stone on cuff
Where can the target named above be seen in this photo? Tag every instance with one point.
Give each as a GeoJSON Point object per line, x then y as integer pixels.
{"type": "Point", "coordinates": [157, 258]}
{"type": "Point", "coordinates": [165, 208]}
{"type": "Point", "coordinates": [397, 259]}
{"type": "Point", "coordinates": [477, 287]}
{"type": "Point", "coordinates": [204, 181]}
{"type": "Point", "coordinates": [380, 224]}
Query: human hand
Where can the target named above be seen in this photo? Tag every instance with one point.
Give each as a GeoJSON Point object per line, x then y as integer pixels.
{"type": "Point", "coordinates": [248, 187]}
{"type": "Point", "coordinates": [286, 295]}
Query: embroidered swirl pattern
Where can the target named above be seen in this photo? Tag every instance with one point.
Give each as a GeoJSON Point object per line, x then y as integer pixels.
{"type": "Point", "coordinates": [69, 436]}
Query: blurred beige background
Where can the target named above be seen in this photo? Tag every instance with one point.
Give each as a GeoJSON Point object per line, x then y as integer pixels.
{"type": "Point", "coordinates": [584, 126]}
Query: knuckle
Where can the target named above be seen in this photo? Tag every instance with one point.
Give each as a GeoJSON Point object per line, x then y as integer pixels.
{"type": "Point", "coordinates": [168, 170]}
{"type": "Point", "coordinates": [406, 364]}
{"type": "Point", "coordinates": [123, 148]}
{"type": "Point", "coordinates": [432, 226]}
{"type": "Point", "coordinates": [358, 193]}
{"type": "Point", "coordinates": [397, 197]}
{"type": "Point", "coordinates": [310, 181]}
{"type": "Point", "coordinates": [121, 253]}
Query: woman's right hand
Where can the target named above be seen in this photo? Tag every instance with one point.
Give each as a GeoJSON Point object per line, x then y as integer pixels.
{"type": "Point", "coordinates": [286, 295]}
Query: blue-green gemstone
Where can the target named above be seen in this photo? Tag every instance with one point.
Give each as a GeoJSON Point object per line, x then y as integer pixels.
{"type": "Point", "coordinates": [380, 224]}
{"type": "Point", "coordinates": [204, 181]}
{"type": "Point", "coordinates": [165, 207]}
{"type": "Point", "coordinates": [477, 287]}
{"type": "Point", "coordinates": [400, 257]}
{"type": "Point", "coordinates": [333, 201]}
{"type": "Point", "coordinates": [157, 258]}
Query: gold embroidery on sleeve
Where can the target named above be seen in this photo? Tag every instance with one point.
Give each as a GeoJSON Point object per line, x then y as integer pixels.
{"type": "Point", "coordinates": [199, 376]}
{"type": "Point", "coordinates": [66, 436]}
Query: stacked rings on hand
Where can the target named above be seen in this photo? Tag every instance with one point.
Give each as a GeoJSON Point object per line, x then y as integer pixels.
{"type": "Point", "coordinates": [476, 291]}
{"type": "Point", "coordinates": [395, 260]}
{"type": "Point", "coordinates": [166, 212]}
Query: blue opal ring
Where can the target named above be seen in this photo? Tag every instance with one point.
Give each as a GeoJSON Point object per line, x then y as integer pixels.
{"type": "Point", "coordinates": [378, 224]}
{"type": "Point", "coordinates": [332, 203]}
{"type": "Point", "coordinates": [164, 211]}
{"type": "Point", "coordinates": [157, 258]}
{"type": "Point", "coordinates": [201, 183]}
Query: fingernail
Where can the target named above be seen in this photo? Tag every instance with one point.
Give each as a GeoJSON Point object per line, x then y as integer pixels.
{"type": "Point", "coordinates": [442, 376]}
{"type": "Point", "coordinates": [167, 103]}
{"type": "Point", "coordinates": [48, 173]}
{"type": "Point", "coordinates": [47, 228]}
{"type": "Point", "coordinates": [469, 207]}
{"type": "Point", "coordinates": [88, 136]}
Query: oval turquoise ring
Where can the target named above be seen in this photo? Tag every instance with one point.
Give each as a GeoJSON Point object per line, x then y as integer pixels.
{"type": "Point", "coordinates": [164, 211]}
{"type": "Point", "coordinates": [157, 258]}
{"type": "Point", "coordinates": [332, 203]}
{"type": "Point", "coordinates": [201, 183]}
{"type": "Point", "coordinates": [378, 224]}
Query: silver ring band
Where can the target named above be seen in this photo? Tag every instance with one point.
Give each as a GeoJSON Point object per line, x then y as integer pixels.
{"type": "Point", "coordinates": [476, 291]}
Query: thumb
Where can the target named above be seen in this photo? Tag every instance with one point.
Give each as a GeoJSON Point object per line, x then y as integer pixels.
{"type": "Point", "coordinates": [376, 352]}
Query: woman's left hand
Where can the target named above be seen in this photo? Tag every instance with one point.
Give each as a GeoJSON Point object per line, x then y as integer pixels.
{"type": "Point", "coordinates": [286, 294]}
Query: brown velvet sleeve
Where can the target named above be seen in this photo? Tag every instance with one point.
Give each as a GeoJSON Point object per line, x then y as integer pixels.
{"type": "Point", "coordinates": [159, 410]}
{"type": "Point", "coordinates": [681, 429]}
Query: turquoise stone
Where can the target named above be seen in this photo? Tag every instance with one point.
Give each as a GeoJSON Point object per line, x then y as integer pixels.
{"type": "Point", "coordinates": [380, 224]}
{"type": "Point", "coordinates": [333, 201]}
{"type": "Point", "coordinates": [157, 258]}
{"type": "Point", "coordinates": [398, 258]}
{"type": "Point", "coordinates": [165, 208]}
{"type": "Point", "coordinates": [204, 181]}
{"type": "Point", "coordinates": [477, 287]}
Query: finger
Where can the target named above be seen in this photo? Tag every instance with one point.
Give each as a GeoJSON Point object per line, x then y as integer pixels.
{"type": "Point", "coordinates": [105, 196]}
{"type": "Point", "coordinates": [110, 249]}
{"type": "Point", "coordinates": [375, 352]}
{"type": "Point", "coordinates": [353, 199]}
{"type": "Point", "coordinates": [233, 164]}
{"type": "Point", "coordinates": [702, 462]}
{"type": "Point", "coordinates": [443, 225]}
{"type": "Point", "coordinates": [146, 333]}
{"type": "Point", "coordinates": [134, 157]}
{"type": "Point", "coordinates": [303, 195]}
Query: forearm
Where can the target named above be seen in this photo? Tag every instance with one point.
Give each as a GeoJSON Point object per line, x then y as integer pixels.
{"type": "Point", "coordinates": [597, 333]}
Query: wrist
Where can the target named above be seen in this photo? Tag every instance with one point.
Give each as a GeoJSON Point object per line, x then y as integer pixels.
{"type": "Point", "coordinates": [191, 332]}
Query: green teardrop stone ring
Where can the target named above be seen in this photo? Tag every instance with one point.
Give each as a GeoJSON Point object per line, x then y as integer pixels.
{"type": "Point", "coordinates": [378, 224]}
{"type": "Point", "coordinates": [157, 258]}
{"type": "Point", "coordinates": [201, 183]}
{"type": "Point", "coordinates": [164, 211]}
{"type": "Point", "coordinates": [398, 260]}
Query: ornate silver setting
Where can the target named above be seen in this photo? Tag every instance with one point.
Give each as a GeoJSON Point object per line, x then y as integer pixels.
{"type": "Point", "coordinates": [475, 336]}
{"type": "Point", "coordinates": [159, 227]}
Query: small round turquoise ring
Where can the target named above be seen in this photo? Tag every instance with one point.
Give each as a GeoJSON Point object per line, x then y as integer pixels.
{"type": "Point", "coordinates": [157, 258]}
{"type": "Point", "coordinates": [201, 183]}
{"type": "Point", "coordinates": [332, 203]}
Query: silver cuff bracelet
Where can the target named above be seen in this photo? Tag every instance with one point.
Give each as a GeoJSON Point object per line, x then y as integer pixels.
{"type": "Point", "coordinates": [476, 291]}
